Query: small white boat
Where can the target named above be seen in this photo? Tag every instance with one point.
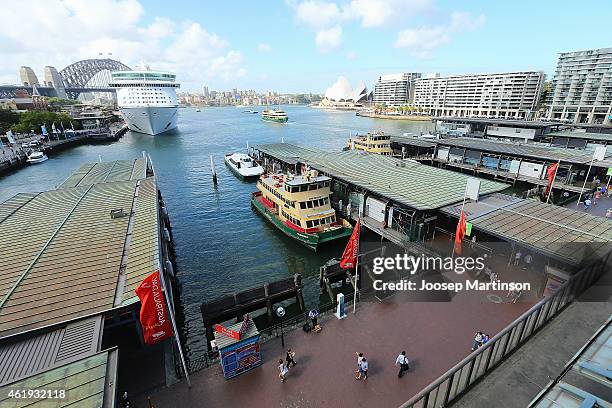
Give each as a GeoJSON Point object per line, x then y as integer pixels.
{"type": "Point", "coordinates": [243, 166]}
{"type": "Point", "coordinates": [198, 110]}
{"type": "Point", "coordinates": [37, 157]}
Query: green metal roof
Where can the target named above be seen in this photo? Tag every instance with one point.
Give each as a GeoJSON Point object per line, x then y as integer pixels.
{"type": "Point", "coordinates": [407, 182]}
{"type": "Point", "coordinates": [118, 170]}
{"type": "Point", "coordinates": [528, 150]}
{"type": "Point", "coordinates": [62, 252]}
{"type": "Point", "coordinates": [88, 383]}
{"type": "Point", "coordinates": [604, 137]}
{"type": "Point", "coordinates": [559, 232]}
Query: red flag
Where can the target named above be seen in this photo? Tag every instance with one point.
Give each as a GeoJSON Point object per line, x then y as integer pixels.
{"type": "Point", "coordinates": [153, 316]}
{"type": "Point", "coordinates": [460, 233]}
{"type": "Point", "coordinates": [349, 256]}
{"type": "Point", "coordinates": [550, 173]}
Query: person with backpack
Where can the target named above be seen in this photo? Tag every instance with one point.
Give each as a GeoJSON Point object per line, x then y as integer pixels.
{"type": "Point", "coordinates": [403, 362]}
{"type": "Point", "coordinates": [290, 359]}
{"type": "Point", "coordinates": [477, 340]}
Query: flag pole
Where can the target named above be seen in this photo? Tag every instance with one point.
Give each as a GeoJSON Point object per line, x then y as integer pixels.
{"type": "Point", "coordinates": [462, 207]}
{"type": "Point", "coordinates": [174, 329]}
{"type": "Point", "coordinates": [585, 181]}
{"type": "Point", "coordinates": [357, 266]}
{"type": "Point", "coordinates": [553, 181]}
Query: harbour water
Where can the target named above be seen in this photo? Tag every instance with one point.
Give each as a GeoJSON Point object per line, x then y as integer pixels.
{"type": "Point", "coordinates": [222, 245]}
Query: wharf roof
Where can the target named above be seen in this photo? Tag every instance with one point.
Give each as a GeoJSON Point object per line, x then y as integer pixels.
{"type": "Point", "coordinates": [88, 382]}
{"type": "Point", "coordinates": [63, 253]}
{"type": "Point", "coordinates": [407, 182]}
{"type": "Point", "coordinates": [22, 358]}
{"type": "Point", "coordinates": [119, 170]}
{"type": "Point", "coordinates": [413, 141]}
{"type": "Point", "coordinates": [532, 151]}
{"type": "Point", "coordinates": [224, 341]}
{"type": "Point", "coordinates": [564, 234]}
{"type": "Point", "coordinates": [603, 137]}
{"type": "Point", "coordinates": [502, 122]}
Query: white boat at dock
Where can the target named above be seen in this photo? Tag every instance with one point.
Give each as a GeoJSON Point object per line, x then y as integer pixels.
{"type": "Point", "coordinates": [37, 157]}
{"type": "Point", "coordinates": [243, 166]}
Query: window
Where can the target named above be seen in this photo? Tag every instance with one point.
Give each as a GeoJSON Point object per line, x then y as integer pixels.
{"type": "Point", "coordinates": [308, 224]}
{"type": "Point", "coordinates": [304, 187]}
{"type": "Point", "coordinates": [309, 204]}
{"type": "Point", "coordinates": [303, 205]}
{"type": "Point", "coordinates": [312, 186]}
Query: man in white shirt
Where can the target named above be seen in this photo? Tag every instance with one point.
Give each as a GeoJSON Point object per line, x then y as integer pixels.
{"type": "Point", "coordinates": [403, 362]}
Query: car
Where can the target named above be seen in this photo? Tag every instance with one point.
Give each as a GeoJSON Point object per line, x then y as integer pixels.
{"type": "Point", "coordinates": [25, 145]}
{"type": "Point", "coordinates": [33, 143]}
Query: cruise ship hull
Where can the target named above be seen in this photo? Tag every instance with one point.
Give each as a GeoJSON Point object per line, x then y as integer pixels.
{"type": "Point", "coordinates": [151, 120]}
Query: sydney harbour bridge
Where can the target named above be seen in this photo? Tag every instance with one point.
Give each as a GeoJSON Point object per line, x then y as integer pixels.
{"type": "Point", "coordinates": [90, 75]}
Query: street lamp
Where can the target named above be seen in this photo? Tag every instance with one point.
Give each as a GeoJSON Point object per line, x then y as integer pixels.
{"type": "Point", "coordinates": [280, 312]}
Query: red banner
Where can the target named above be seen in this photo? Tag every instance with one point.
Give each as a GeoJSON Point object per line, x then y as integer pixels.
{"type": "Point", "coordinates": [349, 256]}
{"type": "Point", "coordinates": [233, 334]}
{"type": "Point", "coordinates": [153, 315]}
{"type": "Point", "coordinates": [460, 233]}
{"type": "Point", "coordinates": [550, 173]}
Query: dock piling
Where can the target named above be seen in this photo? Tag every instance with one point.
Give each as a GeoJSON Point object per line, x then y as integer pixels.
{"type": "Point", "coordinates": [212, 170]}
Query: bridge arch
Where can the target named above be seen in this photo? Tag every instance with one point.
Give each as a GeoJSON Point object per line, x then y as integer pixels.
{"type": "Point", "coordinates": [79, 74]}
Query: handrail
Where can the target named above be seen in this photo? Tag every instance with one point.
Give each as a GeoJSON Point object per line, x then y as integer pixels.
{"type": "Point", "coordinates": [559, 294]}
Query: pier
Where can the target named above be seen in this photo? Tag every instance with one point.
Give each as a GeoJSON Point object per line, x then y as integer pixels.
{"type": "Point", "coordinates": [236, 305]}
{"type": "Point", "coordinates": [73, 257]}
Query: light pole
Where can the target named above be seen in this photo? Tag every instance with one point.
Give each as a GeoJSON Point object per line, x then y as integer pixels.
{"type": "Point", "coordinates": [280, 312]}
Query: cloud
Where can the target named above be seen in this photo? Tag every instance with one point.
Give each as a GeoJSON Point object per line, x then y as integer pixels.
{"type": "Point", "coordinates": [351, 55]}
{"type": "Point", "coordinates": [324, 16]}
{"type": "Point", "coordinates": [264, 47]}
{"type": "Point", "coordinates": [421, 41]}
{"type": "Point", "coordinates": [377, 13]}
{"type": "Point", "coordinates": [111, 26]}
{"type": "Point", "coordinates": [318, 14]}
{"type": "Point", "coordinates": [329, 39]}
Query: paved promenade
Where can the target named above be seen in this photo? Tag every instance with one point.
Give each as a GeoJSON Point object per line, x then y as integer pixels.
{"type": "Point", "coordinates": [435, 336]}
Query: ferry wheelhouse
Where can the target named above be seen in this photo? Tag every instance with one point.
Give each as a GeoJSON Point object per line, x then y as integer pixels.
{"type": "Point", "coordinates": [377, 142]}
{"type": "Point", "coordinates": [272, 115]}
{"type": "Point", "coordinates": [300, 207]}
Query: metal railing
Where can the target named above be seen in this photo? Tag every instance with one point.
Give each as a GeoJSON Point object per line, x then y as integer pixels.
{"type": "Point", "coordinates": [470, 370]}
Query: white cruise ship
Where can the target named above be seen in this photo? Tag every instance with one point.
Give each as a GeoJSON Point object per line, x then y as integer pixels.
{"type": "Point", "coordinates": [147, 100]}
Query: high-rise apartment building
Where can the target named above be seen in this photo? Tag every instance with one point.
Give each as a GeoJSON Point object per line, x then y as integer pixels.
{"type": "Point", "coordinates": [394, 89]}
{"type": "Point", "coordinates": [504, 95]}
{"type": "Point", "coordinates": [582, 87]}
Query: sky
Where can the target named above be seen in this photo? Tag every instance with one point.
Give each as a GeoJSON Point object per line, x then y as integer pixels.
{"type": "Point", "coordinates": [299, 45]}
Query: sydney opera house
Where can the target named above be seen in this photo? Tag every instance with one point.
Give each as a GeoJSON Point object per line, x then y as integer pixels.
{"type": "Point", "coordinates": [342, 96]}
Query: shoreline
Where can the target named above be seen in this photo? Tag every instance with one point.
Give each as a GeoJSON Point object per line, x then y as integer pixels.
{"type": "Point", "coordinates": [413, 118]}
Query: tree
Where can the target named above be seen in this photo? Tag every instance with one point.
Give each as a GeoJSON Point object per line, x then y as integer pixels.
{"type": "Point", "coordinates": [8, 119]}
{"type": "Point", "coordinates": [33, 120]}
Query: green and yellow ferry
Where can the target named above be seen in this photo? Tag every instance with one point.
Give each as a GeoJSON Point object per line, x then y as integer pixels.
{"type": "Point", "coordinates": [376, 142]}
{"type": "Point", "coordinates": [274, 115]}
{"type": "Point", "coordinates": [300, 207]}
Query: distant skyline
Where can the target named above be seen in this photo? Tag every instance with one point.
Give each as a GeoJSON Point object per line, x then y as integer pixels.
{"type": "Point", "coordinates": [298, 46]}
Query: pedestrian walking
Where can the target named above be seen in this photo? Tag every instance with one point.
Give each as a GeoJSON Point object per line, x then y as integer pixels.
{"type": "Point", "coordinates": [477, 340]}
{"type": "Point", "coordinates": [403, 362]}
{"type": "Point", "coordinates": [363, 369]}
{"type": "Point", "coordinates": [587, 204]}
{"type": "Point", "coordinates": [290, 358]}
{"type": "Point", "coordinates": [517, 257]}
{"type": "Point", "coordinates": [313, 315]}
{"type": "Point", "coordinates": [282, 370]}
{"type": "Point", "coordinates": [359, 359]}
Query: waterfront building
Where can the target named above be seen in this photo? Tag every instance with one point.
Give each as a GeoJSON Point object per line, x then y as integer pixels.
{"type": "Point", "coordinates": [512, 95]}
{"type": "Point", "coordinates": [27, 76]}
{"type": "Point", "coordinates": [72, 259]}
{"type": "Point", "coordinates": [342, 95]}
{"type": "Point", "coordinates": [582, 87]}
{"type": "Point", "coordinates": [395, 89]}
